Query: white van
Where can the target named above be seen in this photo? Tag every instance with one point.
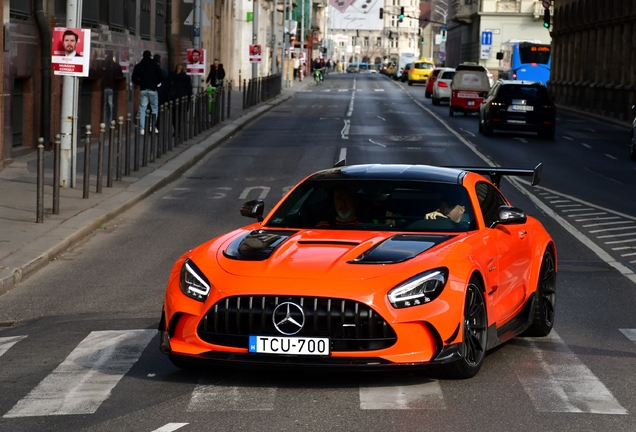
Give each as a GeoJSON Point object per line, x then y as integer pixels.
{"type": "Point", "coordinates": [402, 61]}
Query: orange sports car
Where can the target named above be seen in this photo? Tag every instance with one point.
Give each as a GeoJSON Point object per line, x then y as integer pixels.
{"type": "Point", "coordinates": [367, 266]}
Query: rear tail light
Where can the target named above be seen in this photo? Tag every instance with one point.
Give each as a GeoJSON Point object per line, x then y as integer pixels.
{"type": "Point", "coordinates": [454, 93]}
{"type": "Point", "coordinates": [514, 76]}
{"type": "Point", "coordinates": [442, 84]}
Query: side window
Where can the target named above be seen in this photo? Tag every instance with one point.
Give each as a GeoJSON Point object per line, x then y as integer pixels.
{"type": "Point", "coordinates": [489, 202]}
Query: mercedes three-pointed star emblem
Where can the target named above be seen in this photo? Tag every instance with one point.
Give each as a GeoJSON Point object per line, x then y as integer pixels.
{"type": "Point", "coordinates": [288, 318]}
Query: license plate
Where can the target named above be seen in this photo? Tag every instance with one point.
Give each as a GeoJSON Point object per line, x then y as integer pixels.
{"type": "Point", "coordinates": [467, 95]}
{"type": "Point", "coordinates": [470, 103]}
{"type": "Point", "coordinates": [289, 345]}
{"type": "Point", "coordinates": [521, 108]}
{"type": "Point", "coordinates": [517, 121]}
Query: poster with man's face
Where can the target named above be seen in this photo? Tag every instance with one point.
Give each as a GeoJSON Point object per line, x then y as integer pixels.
{"type": "Point", "coordinates": [70, 51]}
{"type": "Point", "coordinates": [255, 53]}
{"type": "Point", "coordinates": [196, 61]}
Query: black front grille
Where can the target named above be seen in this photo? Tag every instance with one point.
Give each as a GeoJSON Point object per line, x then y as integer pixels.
{"type": "Point", "coordinates": [350, 325]}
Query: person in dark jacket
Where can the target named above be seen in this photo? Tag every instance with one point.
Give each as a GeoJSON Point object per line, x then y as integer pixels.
{"type": "Point", "coordinates": [217, 74]}
{"type": "Point", "coordinates": [164, 91]}
{"type": "Point", "coordinates": [111, 73]}
{"type": "Point", "coordinates": [147, 75]}
{"type": "Point", "coordinates": [180, 85]}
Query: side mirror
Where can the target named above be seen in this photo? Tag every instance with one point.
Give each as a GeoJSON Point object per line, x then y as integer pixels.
{"type": "Point", "coordinates": [253, 209]}
{"type": "Point", "coordinates": [499, 55]}
{"type": "Point", "coordinates": [509, 216]}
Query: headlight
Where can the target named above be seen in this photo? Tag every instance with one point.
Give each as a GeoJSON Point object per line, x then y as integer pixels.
{"type": "Point", "coordinates": [193, 282]}
{"type": "Point", "coordinates": [420, 289]}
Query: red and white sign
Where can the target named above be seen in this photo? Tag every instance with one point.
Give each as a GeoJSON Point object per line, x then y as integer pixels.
{"type": "Point", "coordinates": [124, 59]}
{"type": "Point", "coordinates": [70, 51]}
{"type": "Point", "coordinates": [196, 61]}
{"type": "Point", "coordinates": [546, 3]}
{"type": "Point", "coordinates": [255, 53]}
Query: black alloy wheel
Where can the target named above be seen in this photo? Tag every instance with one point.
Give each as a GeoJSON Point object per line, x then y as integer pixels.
{"type": "Point", "coordinates": [475, 329]}
{"type": "Point", "coordinates": [545, 301]}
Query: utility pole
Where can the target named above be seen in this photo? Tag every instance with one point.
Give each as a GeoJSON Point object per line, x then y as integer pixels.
{"type": "Point", "coordinates": [285, 36]}
{"type": "Point", "coordinates": [70, 93]}
{"type": "Point", "coordinates": [196, 39]}
{"type": "Point", "coordinates": [302, 37]}
{"type": "Point", "coordinates": [275, 38]}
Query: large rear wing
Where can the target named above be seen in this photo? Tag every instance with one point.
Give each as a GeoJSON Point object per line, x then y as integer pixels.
{"type": "Point", "coordinates": [496, 173]}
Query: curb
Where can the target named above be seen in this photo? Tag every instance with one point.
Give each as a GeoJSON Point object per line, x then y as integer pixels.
{"type": "Point", "coordinates": [77, 227]}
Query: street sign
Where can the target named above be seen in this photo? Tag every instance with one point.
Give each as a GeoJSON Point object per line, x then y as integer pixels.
{"type": "Point", "coordinates": [486, 38]}
{"type": "Point", "coordinates": [485, 52]}
{"type": "Point", "coordinates": [546, 3]}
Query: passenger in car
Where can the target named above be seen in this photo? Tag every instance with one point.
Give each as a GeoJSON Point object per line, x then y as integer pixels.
{"type": "Point", "coordinates": [345, 206]}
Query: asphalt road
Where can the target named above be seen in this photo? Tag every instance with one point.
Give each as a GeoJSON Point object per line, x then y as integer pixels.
{"type": "Point", "coordinates": [107, 292]}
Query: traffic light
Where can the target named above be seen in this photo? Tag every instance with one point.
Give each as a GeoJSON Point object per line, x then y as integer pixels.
{"type": "Point", "coordinates": [381, 12]}
{"type": "Point", "coordinates": [401, 17]}
{"type": "Point", "coordinates": [546, 18]}
{"type": "Point", "coordinates": [421, 41]}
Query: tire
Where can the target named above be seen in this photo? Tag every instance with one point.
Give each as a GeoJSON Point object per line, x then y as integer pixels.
{"type": "Point", "coordinates": [427, 95]}
{"type": "Point", "coordinates": [451, 111]}
{"type": "Point", "coordinates": [410, 83]}
{"type": "Point", "coordinates": [481, 126]}
{"type": "Point", "coordinates": [486, 129]}
{"type": "Point", "coordinates": [435, 100]}
{"type": "Point", "coordinates": [547, 134]}
{"type": "Point", "coordinates": [475, 333]}
{"type": "Point", "coordinates": [545, 301]}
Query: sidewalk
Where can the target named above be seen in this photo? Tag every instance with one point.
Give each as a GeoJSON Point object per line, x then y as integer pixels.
{"type": "Point", "coordinates": [27, 246]}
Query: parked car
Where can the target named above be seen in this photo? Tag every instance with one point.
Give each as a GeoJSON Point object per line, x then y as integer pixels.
{"type": "Point", "coordinates": [468, 88]}
{"type": "Point", "coordinates": [430, 81]}
{"type": "Point", "coordinates": [442, 86]}
{"type": "Point", "coordinates": [518, 105]}
{"type": "Point", "coordinates": [420, 72]}
{"type": "Point", "coordinates": [405, 73]}
{"type": "Point", "coordinates": [391, 69]}
{"type": "Point", "coordinates": [632, 148]}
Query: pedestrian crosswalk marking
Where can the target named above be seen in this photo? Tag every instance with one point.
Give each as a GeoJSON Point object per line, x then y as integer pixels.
{"type": "Point", "coordinates": [86, 377]}
{"type": "Point", "coordinates": [7, 342]}
{"type": "Point", "coordinates": [630, 334]}
{"type": "Point", "coordinates": [556, 380]}
{"type": "Point", "coordinates": [218, 397]}
{"type": "Point", "coordinates": [171, 427]}
{"type": "Point", "coordinates": [405, 396]}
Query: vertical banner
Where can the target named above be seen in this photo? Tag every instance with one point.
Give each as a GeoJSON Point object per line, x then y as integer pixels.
{"type": "Point", "coordinates": [70, 51]}
{"type": "Point", "coordinates": [196, 61]}
{"type": "Point", "coordinates": [255, 53]}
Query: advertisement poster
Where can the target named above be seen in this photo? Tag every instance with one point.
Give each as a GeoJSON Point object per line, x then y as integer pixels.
{"type": "Point", "coordinates": [196, 61]}
{"type": "Point", "coordinates": [124, 59]}
{"type": "Point", "coordinates": [356, 14]}
{"type": "Point", "coordinates": [70, 51]}
{"type": "Point", "coordinates": [255, 53]}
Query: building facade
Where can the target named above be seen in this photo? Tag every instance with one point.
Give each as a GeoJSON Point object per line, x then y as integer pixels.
{"type": "Point", "coordinates": [594, 53]}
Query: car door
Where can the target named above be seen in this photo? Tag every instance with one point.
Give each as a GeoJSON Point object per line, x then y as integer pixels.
{"type": "Point", "coordinates": [509, 270]}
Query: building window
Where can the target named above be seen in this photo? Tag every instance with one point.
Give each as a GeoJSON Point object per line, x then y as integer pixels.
{"type": "Point", "coordinates": [130, 16]}
{"type": "Point", "coordinates": [115, 15]}
{"type": "Point", "coordinates": [353, 40]}
{"type": "Point", "coordinates": [160, 23]}
{"type": "Point", "coordinates": [20, 9]}
{"type": "Point", "coordinates": [144, 20]}
{"type": "Point", "coordinates": [366, 41]}
{"type": "Point", "coordinates": [90, 13]}
{"type": "Point", "coordinates": [342, 43]}
{"type": "Point", "coordinates": [378, 42]}
{"type": "Point", "coordinates": [17, 112]}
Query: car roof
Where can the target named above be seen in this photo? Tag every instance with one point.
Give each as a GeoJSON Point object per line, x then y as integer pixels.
{"type": "Point", "coordinates": [522, 82]}
{"type": "Point", "coordinates": [392, 172]}
{"type": "Point", "coordinates": [471, 67]}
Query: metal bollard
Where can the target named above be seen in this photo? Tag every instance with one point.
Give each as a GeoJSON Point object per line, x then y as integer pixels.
{"type": "Point", "coordinates": [153, 138]}
{"type": "Point", "coordinates": [136, 149]}
{"type": "Point", "coordinates": [229, 98]}
{"type": "Point", "coordinates": [126, 157]}
{"type": "Point", "coordinates": [111, 154]}
{"type": "Point", "coordinates": [39, 218]}
{"type": "Point", "coordinates": [162, 123]}
{"type": "Point", "coordinates": [144, 154]}
{"type": "Point", "coordinates": [56, 173]}
{"type": "Point", "coordinates": [87, 162]}
{"type": "Point", "coordinates": [100, 157]}
{"type": "Point", "coordinates": [120, 145]}
{"type": "Point", "coordinates": [223, 103]}
{"type": "Point", "coordinates": [187, 110]}
{"type": "Point", "coordinates": [171, 127]}
{"type": "Point", "coordinates": [177, 122]}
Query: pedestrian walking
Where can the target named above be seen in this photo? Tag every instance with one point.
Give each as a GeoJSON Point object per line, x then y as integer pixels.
{"type": "Point", "coordinates": [217, 74]}
{"type": "Point", "coordinates": [147, 75]}
{"type": "Point", "coordinates": [296, 65]}
{"type": "Point", "coordinates": [180, 86]}
{"type": "Point", "coordinates": [163, 92]}
{"type": "Point", "coordinates": [111, 73]}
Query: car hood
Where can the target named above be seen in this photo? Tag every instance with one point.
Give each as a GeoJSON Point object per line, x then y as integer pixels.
{"type": "Point", "coordinates": [326, 254]}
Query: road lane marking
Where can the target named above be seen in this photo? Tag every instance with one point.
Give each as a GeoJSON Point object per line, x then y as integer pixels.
{"type": "Point", "coordinates": [523, 140]}
{"type": "Point", "coordinates": [264, 191]}
{"type": "Point", "coordinates": [353, 98]}
{"type": "Point", "coordinates": [376, 143]}
{"type": "Point", "coordinates": [343, 154]}
{"type": "Point", "coordinates": [468, 132]}
{"type": "Point", "coordinates": [381, 118]}
{"type": "Point", "coordinates": [219, 397]}
{"type": "Point", "coordinates": [344, 133]}
{"type": "Point", "coordinates": [7, 342]}
{"type": "Point", "coordinates": [84, 380]}
{"type": "Point", "coordinates": [629, 334]}
{"type": "Point", "coordinates": [610, 156]}
{"type": "Point", "coordinates": [586, 145]}
{"type": "Point", "coordinates": [170, 427]}
{"type": "Point", "coordinates": [426, 396]}
{"type": "Point", "coordinates": [568, 138]}
{"type": "Point", "coordinates": [380, 90]}
{"type": "Point", "coordinates": [556, 380]}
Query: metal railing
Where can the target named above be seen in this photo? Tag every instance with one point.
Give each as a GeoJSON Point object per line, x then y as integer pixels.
{"type": "Point", "coordinates": [257, 90]}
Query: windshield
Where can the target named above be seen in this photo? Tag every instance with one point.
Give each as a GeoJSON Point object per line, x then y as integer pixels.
{"type": "Point", "coordinates": [424, 66]}
{"type": "Point", "coordinates": [539, 54]}
{"type": "Point", "coordinates": [399, 206]}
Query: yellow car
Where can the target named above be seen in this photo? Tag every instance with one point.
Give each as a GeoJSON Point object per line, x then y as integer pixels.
{"type": "Point", "coordinates": [391, 69]}
{"type": "Point", "coordinates": [420, 71]}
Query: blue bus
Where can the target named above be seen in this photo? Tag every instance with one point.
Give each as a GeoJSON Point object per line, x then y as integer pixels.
{"type": "Point", "coordinates": [526, 61]}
